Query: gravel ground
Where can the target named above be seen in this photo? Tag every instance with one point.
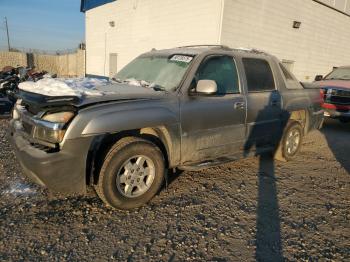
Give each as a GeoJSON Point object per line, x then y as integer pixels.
{"type": "Point", "coordinates": [249, 210]}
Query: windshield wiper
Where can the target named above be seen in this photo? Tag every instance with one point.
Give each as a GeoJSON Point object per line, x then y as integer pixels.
{"type": "Point", "coordinates": [147, 84]}
{"type": "Point", "coordinates": [156, 87]}
{"type": "Point", "coordinates": [142, 83]}
{"type": "Point", "coordinates": [117, 80]}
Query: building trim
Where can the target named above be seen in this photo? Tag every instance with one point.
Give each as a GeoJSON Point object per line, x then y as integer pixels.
{"type": "Point", "coordinates": [86, 5]}
{"type": "Point", "coordinates": [331, 7]}
{"type": "Point", "coordinates": [221, 21]}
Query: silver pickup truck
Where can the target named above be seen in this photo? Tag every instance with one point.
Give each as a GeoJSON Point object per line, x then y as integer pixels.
{"type": "Point", "coordinates": [187, 108]}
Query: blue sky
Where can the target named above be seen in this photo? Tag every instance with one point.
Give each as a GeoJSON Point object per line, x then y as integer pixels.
{"type": "Point", "coordinates": [49, 25]}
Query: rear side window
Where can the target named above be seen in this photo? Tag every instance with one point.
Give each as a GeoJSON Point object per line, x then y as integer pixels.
{"type": "Point", "coordinates": [221, 69]}
{"type": "Point", "coordinates": [259, 75]}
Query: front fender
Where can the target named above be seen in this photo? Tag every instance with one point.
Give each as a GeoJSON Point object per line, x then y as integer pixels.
{"type": "Point", "coordinates": [113, 122]}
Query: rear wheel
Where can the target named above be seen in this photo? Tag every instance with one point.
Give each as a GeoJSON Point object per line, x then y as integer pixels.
{"type": "Point", "coordinates": [132, 173]}
{"type": "Point", "coordinates": [291, 141]}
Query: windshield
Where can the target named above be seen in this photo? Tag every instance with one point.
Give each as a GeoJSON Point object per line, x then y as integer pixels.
{"type": "Point", "coordinates": [339, 74]}
{"type": "Point", "coordinates": [159, 72]}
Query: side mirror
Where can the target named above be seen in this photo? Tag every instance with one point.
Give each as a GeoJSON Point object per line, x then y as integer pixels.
{"type": "Point", "coordinates": [319, 78]}
{"type": "Point", "coordinates": [206, 87]}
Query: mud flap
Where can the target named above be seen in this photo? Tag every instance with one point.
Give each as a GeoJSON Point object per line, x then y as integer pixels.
{"type": "Point", "coordinates": [166, 178]}
{"type": "Point", "coordinates": [279, 155]}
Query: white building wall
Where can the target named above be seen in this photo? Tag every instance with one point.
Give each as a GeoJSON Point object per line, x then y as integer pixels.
{"type": "Point", "coordinates": [323, 41]}
{"type": "Point", "coordinates": [141, 25]}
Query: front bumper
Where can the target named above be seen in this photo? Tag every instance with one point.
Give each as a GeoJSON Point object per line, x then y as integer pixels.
{"type": "Point", "coordinates": [335, 111]}
{"type": "Point", "coordinates": [336, 114]}
{"type": "Point", "coordinates": [316, 120]}
{"type": "Point", "coordinates": [63, 171]}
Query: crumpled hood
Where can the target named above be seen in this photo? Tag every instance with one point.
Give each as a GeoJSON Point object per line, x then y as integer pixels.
{"type": "Point", "coordinates": [344, 84]}
{"type": "Point", "coordinates": [115, 92]}
{"type": "Point", "coordinates": [108, 93]}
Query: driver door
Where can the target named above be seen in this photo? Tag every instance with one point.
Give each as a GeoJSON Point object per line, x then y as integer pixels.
{"type": "Point", "coordinates": [213, 126]}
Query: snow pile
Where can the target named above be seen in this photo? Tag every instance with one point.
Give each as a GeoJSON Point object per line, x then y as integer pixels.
{"type": "Point", "coordinates": [65, 87]}
{"type": "Point", "coordinates": [19, 189]}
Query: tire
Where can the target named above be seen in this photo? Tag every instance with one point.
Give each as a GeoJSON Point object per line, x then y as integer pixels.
{"type": "Point", "coordinates": [132, 173]}
{"type": "Point", "coordinates": [344, 120]}
{"type": "Point", "coordinates": [292, 140]}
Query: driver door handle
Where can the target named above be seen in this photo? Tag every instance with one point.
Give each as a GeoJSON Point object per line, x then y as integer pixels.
{"type": "Point", "coordinates": [239, 105]}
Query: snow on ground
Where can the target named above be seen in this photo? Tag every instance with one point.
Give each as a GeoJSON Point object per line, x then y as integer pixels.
{"type": "Point", "coordinates": [65, 87]}
{"type": "Point", "coordinates": [18, 188]}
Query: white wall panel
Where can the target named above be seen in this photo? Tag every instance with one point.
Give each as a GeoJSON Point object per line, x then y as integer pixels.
{"type": "Point", "coordinates": [141, 25]}
{"type": "Point", "coordinates": [323, 41]}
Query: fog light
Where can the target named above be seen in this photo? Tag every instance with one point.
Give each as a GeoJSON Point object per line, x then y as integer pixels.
{"type": "Point", "coordinates": [49, 135]}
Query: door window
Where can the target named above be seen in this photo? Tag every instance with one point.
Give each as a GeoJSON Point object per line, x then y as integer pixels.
{"type": "Point", "coordinates": [259, 75]}
{"type": "Point", "coordinates": [222, 70]}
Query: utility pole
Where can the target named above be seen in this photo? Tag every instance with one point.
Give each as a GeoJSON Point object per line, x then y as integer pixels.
{"type": "Point", "coordinates": [8, 35]}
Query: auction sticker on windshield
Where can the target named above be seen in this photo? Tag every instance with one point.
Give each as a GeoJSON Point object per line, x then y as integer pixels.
{"type": "Point", "coordinates": [182, 58]}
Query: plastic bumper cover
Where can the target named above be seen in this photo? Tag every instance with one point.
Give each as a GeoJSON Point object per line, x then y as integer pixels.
{"type": "Point", "coordinates": [63, 171]}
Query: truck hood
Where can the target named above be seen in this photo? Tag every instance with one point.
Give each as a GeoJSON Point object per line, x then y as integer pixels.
{"type": "Point", "coordinates": [344, 84]}
{"type": "Point", "coordinates": [104, 94]}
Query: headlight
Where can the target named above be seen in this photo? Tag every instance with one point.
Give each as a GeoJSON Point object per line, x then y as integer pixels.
{"type": "Point", "coordinates": [16, 109]}
{"type": "Point", "coordinates": [52, 127]}
{"type": "Point", "coordinates": [15, 114]}
{"type": "Point", "coordinates": [61, 117]}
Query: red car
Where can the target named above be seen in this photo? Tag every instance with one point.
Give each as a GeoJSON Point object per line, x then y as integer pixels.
{"type": "Point", "coordinates": [335, 90]}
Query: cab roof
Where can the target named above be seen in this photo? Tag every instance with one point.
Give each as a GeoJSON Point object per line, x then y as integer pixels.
{"type": "Point", "coordinates": [199, 49]}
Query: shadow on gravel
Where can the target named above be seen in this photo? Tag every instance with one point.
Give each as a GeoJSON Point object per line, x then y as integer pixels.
{"type": "Point", "coordinates": [338, 138]}
{"type": "Point", "coordinates": [268, 229]}
{"type": "Point", "coordinates": [173, 176]}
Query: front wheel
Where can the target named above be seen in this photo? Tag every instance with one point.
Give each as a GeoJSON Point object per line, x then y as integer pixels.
{"type": "Point", "coordinates": [132, 173]}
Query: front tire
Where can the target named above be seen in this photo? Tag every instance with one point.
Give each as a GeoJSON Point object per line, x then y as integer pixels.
{"type": "Point", "coordinates": [132, 173]}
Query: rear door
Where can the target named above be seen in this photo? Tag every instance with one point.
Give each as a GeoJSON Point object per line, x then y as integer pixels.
{"type": "Point", "coordinates": [214, 126]}
{"type": "Point", "coordinates": [264, 104]}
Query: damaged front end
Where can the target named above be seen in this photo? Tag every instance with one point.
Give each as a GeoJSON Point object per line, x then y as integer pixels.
{"type": "Point", "coordinates": [45, 128]}
{"type": "Point", "coordinates": [43, 120]}
{"type": "Point", "coordinates": [37, 133]}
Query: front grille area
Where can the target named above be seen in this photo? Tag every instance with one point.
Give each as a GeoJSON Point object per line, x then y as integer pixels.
{"type": "Point", "coordinates": [337, 96]}
{"type": "Point", "coordinates": [343, 110]}
{"type": "Point", "coordinates": [340, 100]}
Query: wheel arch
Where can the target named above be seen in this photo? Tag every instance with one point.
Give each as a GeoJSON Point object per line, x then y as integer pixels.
{"type": "Point", "coordinates": [302, 117]}
{"type": "Point", "coordinates": [159, 136]}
